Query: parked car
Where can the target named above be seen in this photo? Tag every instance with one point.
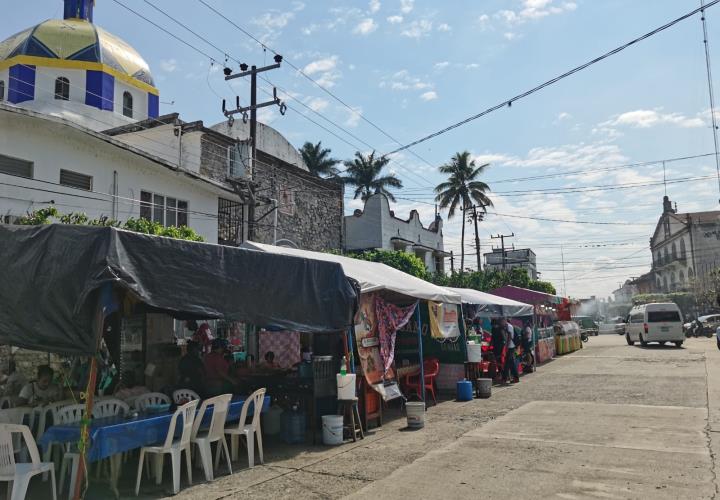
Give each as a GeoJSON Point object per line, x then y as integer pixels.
{"type": "Point", "coordinates": [709, 323]}
{"type": "Point", "coordinates": [587, 325]}
{"type": "Point", "coordinates": [612, 327]}
{"type": "Point", "coordinates": [655, 323]}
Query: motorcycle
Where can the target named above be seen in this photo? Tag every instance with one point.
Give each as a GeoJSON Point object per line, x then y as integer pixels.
{"type": "Point", "coordinates": [584, 336]}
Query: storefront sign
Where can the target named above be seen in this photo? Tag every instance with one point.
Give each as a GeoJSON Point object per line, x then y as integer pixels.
{"type": "Point", "coordinates": [444, 320]}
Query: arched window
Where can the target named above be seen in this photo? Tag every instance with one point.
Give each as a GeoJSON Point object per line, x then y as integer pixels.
{"type": "Point", "coordinates": [666, 255]}
{"type": "Point", "coordinates": [2, 90]}
{"type": "Point", "coordinates": [127, 104]}
{"type": "Point", "coordinates": [62, 88]}
{"type": "Point", "coordinates": [674, 251]}
{"type": "Point", "coordinates": [665, 284]}
{"type": "Point", "coordinates": [682, 249]}
{"type": "Point", "coordinates": [681, 276]}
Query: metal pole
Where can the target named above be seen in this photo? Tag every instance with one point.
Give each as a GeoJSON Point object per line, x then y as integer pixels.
{"type": "Point", "coordinates": [351, 350]}
{"type": "Point", "coordinates": [420, 352]}
{"type": "Point", "coordinates": [477, 238]}
{"type": "Point", "coordinates": [253, 149]}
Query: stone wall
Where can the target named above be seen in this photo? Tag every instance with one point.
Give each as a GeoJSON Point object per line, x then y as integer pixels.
{"type": "Point", "coordinates": [27, 361]}
{"type": "Point", "coordinates": [214, 154]}
{"type": "Point", "coordinates": [311, 208]}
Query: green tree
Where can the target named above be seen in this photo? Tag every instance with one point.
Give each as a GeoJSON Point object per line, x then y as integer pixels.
{"type": "Point", "coordinates": [318, 160]}
{"type": "Point", "coordinates": [363, 172]}
{"type": "Point", "coordinates": [403, 261]}
{"type": "Point", "coordinates": [462, 189]}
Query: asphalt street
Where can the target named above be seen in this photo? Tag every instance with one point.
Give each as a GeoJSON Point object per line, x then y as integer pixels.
{"type": "Point", "coordinates": [609, 421]}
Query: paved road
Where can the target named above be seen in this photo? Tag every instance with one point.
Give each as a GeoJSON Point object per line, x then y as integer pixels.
{"type": "Point", "coordinates": [610, 421]}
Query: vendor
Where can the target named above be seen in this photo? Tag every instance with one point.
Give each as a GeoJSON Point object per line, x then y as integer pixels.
{"type": "Point", "coordinates": [42, 390]}
{"type": "Point", "coordinates": [191, 369]}
{"type": "Point", "coordinates": [14, 381]}
{"type": "Point", "coordinates": [270, 361]}
{"type": "Point", "coordinates": [217, 368]}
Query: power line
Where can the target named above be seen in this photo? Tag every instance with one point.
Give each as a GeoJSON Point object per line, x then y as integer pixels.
{"type": "Point", "coordinates": [314, 82]}
{"type": "Point", "coordinates": [552, 81]}
{"type": "Point", "coordinates": [711, 92]}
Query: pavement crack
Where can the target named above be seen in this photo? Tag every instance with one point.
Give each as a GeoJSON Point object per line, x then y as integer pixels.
{"type": "Point", "coordinates": [708, 431]}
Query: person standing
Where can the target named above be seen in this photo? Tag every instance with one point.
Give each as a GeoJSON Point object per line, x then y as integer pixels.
{"type": "Point", "coordinates": [510, 365]}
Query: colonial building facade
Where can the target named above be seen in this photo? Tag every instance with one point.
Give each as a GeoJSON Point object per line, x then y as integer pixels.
{"type": "Point", "coordinates": [377, 227]}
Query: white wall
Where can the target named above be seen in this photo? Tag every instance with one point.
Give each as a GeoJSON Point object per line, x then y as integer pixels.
{"type": "Point", "coordinates": [53, 146]}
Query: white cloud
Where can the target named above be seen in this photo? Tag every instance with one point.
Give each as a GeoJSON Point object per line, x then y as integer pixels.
{"type": "Point", "coordinates": [354, 117]}
{"type": "Point", "coordinates": [328, 79]}
{"type": "Point", "coordinates": [646, 118]}
{"type": "Point", "coordinates": [395, 19]}
{"type": "Point", "coordinates": [444, 27]}
{"type": "Point", "coordinates": [403, 80]}
{"type": "Point", "coordinates": [272, 23]}
{"type": "Point", "coordinates": [406, 6]}
{"type": "Point", "coordinates": [532, 10]}
{"type": "Point", "coordinates": [321, 65]}
{"type": "Point", "coordinates": [417, 29]}
{"type": "Point", "coordinates": [365, 27]}
{"type": "Point", "coordinates": [430, 95]}
{"type": "Point", "coordinates": [318, 104]}
{"type": "Point", "coordinates": [343, 16]}
{"type": "Point", "coordinates": [374, 6]}
{"type": "Point", "coordinates": [563, 116]}
{"type": "Point", "coordinates": [309, 30]}
{"type": "Point", "coordinates": [351, 67]}
{"type": "Point", "coordinates": [298, 6]}
{"type": "Point", "coordinates": [509, 35]}
{"type": "Point", "coordinates": [483, 20]}
{"type": "Point", "coordinates": [597, 154]}
{"type": "Point", "coordinates": [472, 66]}
{"type": "Point", "coordinates": [441, 65]}
{"type": "Point", "coordinates": [168, 65]}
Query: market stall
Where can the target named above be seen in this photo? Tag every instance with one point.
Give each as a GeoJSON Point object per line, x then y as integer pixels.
{"type": "Point", "coordinates": [392, 308]}
{"type": "Point", "coordinates": [61, 284]}
{"type": "Point", "coordinates": [548, 309]}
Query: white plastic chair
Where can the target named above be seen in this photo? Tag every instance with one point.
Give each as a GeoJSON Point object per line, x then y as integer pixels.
{"type": "Point", "coordinates": [22, 415]}
{"type": "Point", "coordinates": [251, 430]}
{"type": "Point", "coordinates": [151, 398]}
{"type": "Point", "coordinates": [185, 395]}
{"type": "Point", "coordinates": [7, 402]}
{"type": "Point", "coordinates": [69, 415]}
{"type": "Point", "coordinates": [19, 474]}
{"type": "Point", "coordinates": [49, 409]}
{"type": "Point", "coordinates": [110, 408]}
{"type": "Point", "coordinates": [173, 447]}
{"type": "Point", "coordinates": [215, 434]}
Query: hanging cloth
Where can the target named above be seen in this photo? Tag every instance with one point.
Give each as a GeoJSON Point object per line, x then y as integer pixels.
{"type": "Point", "coordinates": [390, 318]}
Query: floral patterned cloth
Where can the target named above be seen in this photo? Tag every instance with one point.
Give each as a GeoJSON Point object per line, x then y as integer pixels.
{"type": "Point", "coordinates": [390, 318]}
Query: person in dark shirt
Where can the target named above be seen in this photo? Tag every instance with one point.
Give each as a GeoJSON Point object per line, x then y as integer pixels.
{"type": "Point", "coordinates": [192, 369]}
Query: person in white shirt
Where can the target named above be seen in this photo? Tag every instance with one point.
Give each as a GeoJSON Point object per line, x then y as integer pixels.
{"type": "Point", "coordinates": [42, 390]}
{"type": "Point", "coordinates": [510, 366]}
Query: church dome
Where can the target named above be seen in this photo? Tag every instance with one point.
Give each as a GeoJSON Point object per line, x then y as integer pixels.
{"type": "Point", "coordinates": [57, 42]}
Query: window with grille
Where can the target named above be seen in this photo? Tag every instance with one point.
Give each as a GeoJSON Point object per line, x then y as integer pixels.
{"type": "Point", "coordinates": [230, 222]}
{"type": "Point", "coordinates": [238, 159]}
{"type": "Point", "coordinates": [76, 180]}
{"type": "Point", "coordinates": [16, 167]}
{"type": "Point", "coordinates": [62, 88]}
{"type": "Point", "coordinates": [127, 104]}
{"type": "Point", "coordinates": [2, 90]}
{"type": "Point", "coordinates": [164, 210]}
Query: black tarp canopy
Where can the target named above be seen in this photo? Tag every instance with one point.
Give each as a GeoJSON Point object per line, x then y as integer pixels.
{"type": "Point", "coordinates": [50, 277]}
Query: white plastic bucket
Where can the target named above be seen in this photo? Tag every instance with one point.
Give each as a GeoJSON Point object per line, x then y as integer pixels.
{"type": "Point", "coordinates": [415, 414]}
{"type": "Point", "coordinates": [346, 386]}
{"type": "Point", "coordinates": [332, 426]}
{"type": "Point", "coordinates": [474, 352]}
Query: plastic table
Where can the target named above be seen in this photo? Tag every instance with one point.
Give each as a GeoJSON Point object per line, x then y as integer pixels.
{"type": "Point", "coordinates": [109, 437]}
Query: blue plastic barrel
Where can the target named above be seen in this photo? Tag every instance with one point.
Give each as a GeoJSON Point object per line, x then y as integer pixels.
{"type": "Point", "coordinates": [464, 390]}
{"type": "Point", "coordinates": [293, 423]}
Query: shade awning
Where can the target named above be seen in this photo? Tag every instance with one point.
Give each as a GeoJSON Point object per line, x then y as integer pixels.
{"type": "Point", "coordinates": [51, 275]}
{"type": "Point", "coordinates": [493, 306]}
{"type": "Point", "coordinates": [372, 276]}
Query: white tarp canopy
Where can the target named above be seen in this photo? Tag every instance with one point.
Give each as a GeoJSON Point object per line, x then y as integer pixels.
{"type": "Point", "coordinates": [491, 305]}
{"type": "Point", "coordinates": [372, 276]}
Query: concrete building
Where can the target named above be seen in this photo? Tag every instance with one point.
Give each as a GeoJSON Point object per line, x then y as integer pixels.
{"type": "Point", "coordinates": [377, 227]}
{"type": "Point", "coordinates": [513, 258]}
{"type": "Point", "coordinates": [80, 129]}
{"type": "Point", "coordinates": [684, 246]}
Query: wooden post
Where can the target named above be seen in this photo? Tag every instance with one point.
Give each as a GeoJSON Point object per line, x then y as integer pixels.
{"type": "Point", "coordinates": [85, 425]}
{"type": "Point", "coordinates": [420, 352]}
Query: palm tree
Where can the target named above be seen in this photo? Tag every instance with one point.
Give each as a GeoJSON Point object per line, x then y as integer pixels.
{"type": "Point", "coordinates": [318, 160]}
{"type": "Point", "coordinates": [363, 173]}
{"type": "Point", "coordinates": [462, 189]}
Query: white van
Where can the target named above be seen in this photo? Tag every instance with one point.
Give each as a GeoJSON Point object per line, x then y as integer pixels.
{"type": "Point", "coordinates": [655, 323]}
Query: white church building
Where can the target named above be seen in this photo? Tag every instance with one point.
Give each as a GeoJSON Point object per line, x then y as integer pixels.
{"type": "Point", "coordinates": [80, 129]}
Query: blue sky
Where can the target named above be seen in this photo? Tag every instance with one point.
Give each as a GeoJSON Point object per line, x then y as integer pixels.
{"type": "Point", "coordinates": [412, 67]}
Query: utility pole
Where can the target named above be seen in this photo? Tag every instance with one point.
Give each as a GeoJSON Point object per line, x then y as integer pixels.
{"type": "Point", "coordinates": [562, 258]}
{"type": "Point", "coordinates": [502, 237]}
{"type": "Point", "coordinates": [254, 106]}
{"type": "Point", "coordinates": [478, 216]}
{"type": "Point", "coordinates": [452, 262]}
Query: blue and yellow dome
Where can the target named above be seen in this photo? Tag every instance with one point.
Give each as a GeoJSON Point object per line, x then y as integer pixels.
{"type": "Point", "coordinates": [78, 44]}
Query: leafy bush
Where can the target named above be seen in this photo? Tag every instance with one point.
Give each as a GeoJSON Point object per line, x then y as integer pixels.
{"type": "Point", "coordinates": [405, 262]}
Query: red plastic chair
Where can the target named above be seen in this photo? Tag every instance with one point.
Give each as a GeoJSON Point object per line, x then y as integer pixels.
{"type": "Point", "coordinates": [431, 368]}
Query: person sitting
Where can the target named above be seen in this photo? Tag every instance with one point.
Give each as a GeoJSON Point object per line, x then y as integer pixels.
{"type": "Point", "coordinates": [217, 377]}
{"type": "Point", "coordinates": [14, 381]}
{"type": "Point", "coordinates": [191, 369]}
{"type": "Point", "coordinates": [42, 390]}
{"type": "Point", "coordinates": [270, 361]}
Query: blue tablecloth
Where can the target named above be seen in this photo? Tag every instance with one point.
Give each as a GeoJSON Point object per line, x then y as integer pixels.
{"type": "Point", "coordinates": [109, 436]}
